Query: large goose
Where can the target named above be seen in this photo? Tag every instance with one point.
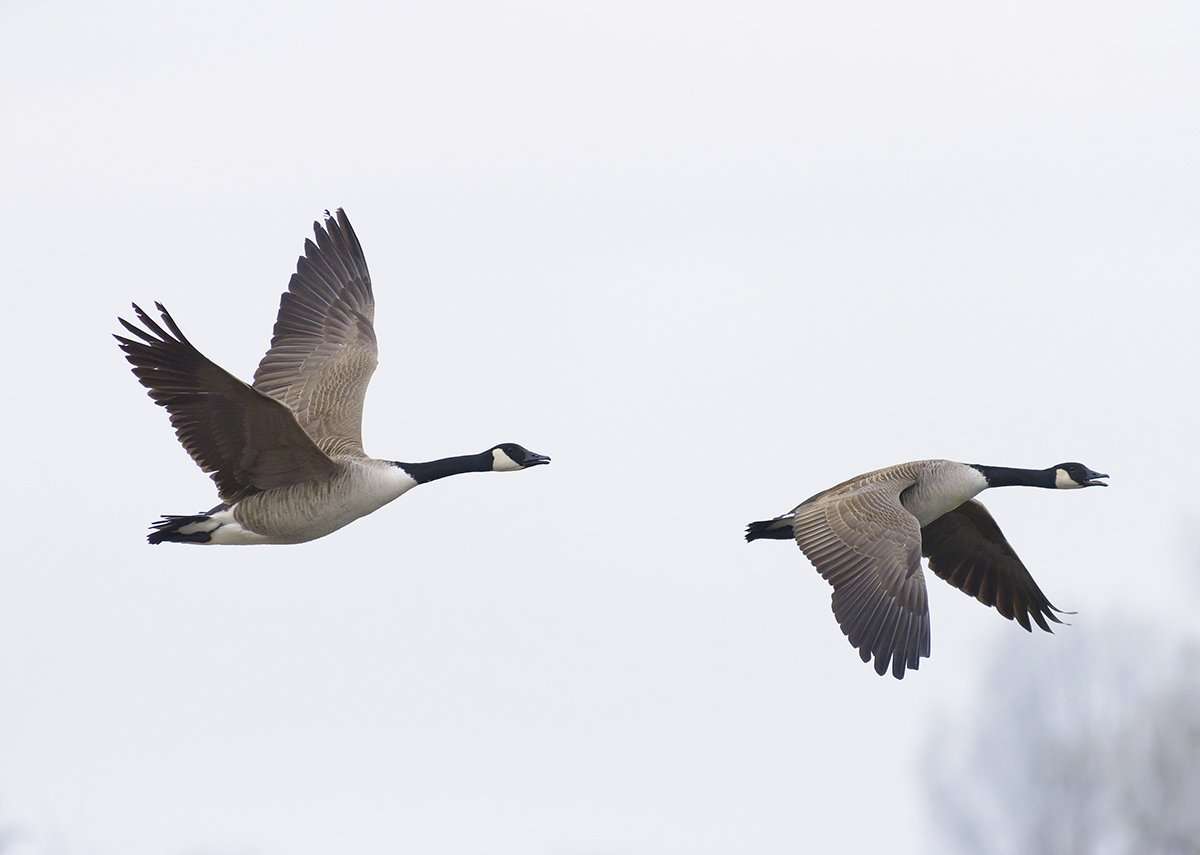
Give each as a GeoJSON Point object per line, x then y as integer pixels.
{"type": "Point", "coordinates": [866, 537]}
{"type": "Point", "coordinates": [286, 453]}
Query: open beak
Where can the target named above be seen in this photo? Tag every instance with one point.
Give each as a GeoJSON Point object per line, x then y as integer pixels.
{"type": "Point", "coordinates": [1092, 482]}
{"type": "Point", "coordinates": [536, 459]}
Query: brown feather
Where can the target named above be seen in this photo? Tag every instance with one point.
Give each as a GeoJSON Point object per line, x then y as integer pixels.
{"type": "Point", "coordinates": [323, 350]}
{"type": "Point", "coordinates": [967, 549]}
{"type": "Point", "coordinates": [868, 546]}
{"type": "Point", "coordinates": [246, 440]}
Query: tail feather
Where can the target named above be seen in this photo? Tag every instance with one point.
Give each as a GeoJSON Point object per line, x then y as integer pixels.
{"type": "Point", "coordinates": [185, 528]}
{"type": "Point", "coordinates": [779, 528]}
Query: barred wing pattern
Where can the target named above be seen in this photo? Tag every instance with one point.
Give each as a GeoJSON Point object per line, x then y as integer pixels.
{"type": "Point", "coordinates": [868, 546]}
{"type": "Point", "coordinates": [323, 350]}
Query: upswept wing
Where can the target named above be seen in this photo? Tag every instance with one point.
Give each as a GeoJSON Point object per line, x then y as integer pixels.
{"type": "Point", "coordinates": [323, 349]}
{"type": "Point", "coordinates": [246, 440]}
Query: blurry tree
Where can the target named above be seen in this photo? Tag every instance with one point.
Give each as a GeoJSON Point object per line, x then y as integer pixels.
{"type": "Point", "coordinates": [1097, 754]}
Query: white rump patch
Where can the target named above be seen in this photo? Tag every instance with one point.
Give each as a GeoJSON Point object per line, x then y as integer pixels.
{"type": "Point", "coordinates": [230, 532]}
{"type": "Point", "coordinates": [207, 525]}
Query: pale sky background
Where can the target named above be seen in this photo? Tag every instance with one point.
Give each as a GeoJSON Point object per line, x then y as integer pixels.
{"type": "Point", "coordinates": [710, 257]}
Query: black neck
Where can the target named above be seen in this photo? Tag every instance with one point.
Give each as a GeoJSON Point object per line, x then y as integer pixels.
{"type": "Point", "coordinates": [423, 473]}
{"type": "Point", "coordinates": [1003, 476]}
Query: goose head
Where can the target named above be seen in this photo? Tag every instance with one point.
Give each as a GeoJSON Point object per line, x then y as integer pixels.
{"type": "Point", "coordinates": [1071, 476]}
{"type": "Point", "coordinates": [510, 457]}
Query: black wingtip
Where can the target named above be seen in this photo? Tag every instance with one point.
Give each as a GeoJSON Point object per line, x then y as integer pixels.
{"type": "Point", "coordinates": [141, 334]}
{"type": "Point", "coordinates": [1053, 613]}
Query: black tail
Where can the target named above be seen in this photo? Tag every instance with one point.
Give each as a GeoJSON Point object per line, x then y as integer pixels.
{"type": "Point", "coordinates": [167, 529]}
{"type": "Point", "coordinates": [776, 529]}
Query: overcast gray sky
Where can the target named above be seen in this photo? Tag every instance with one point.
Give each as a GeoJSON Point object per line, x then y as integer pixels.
{"type": "Point", "coordinates": [710, 257]}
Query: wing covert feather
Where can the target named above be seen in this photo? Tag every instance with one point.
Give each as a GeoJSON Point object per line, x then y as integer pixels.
{"type": "Point", "coordinates": [867, 546]}
{"type": "Point", "coordinates": [323, 349]}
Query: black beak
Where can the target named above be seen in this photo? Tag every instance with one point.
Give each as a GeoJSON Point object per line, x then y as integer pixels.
{"type": "Point", "coordinates": [536, 459]}
{"type": "Point", "coordinates": [1091, 482]}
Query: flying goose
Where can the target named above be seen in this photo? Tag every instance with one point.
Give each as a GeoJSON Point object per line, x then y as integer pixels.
{"type": "Point", "coordinates": [286, 453]}
{"type": "Point", "coordinates": [866, 537]}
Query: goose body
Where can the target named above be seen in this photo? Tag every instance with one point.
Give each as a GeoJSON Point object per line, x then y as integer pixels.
{"type": "Point", "coordinates": [286, 452]}
{"type": "Point", "coordinates": [308, 510]}
{"type": "Point", "coordinates": [866, 537]}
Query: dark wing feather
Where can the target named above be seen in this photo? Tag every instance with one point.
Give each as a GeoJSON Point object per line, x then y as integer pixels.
{"type": "Point", "coordinates": [323, 350]}
{"type": "Point", "coordinates": [867, 545]}
{"type": "Point", "coordinates": [967, 549]}
{"type": "Point", "coordinates": [248, 441]}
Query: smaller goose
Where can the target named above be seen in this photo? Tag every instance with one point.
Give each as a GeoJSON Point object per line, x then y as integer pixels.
{"type": "Point", "coordinates": [866, 537]}
{"type": "Point", "coordinates": [286, 452]}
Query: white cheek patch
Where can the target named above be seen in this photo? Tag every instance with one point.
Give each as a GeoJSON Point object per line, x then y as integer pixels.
{"type": "Point", "coordinates": [1063, 481]}
{"type": "Point", "coordinates": [501, 462]}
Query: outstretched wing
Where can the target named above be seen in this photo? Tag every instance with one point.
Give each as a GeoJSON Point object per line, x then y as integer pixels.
{"type": "Point", "coordinates": [967, 549]}
{"type": "Point", "coordinates": [323, 349]}
{"type": "Point", "coordinates": [868, 546]}
{"type": "Point", "coordinates": [248, 441]}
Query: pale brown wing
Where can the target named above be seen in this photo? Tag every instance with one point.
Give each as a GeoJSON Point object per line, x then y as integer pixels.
{"type": "Point", "coordinates": [248, 441]}
{"type": "Point", "coordinates": [323, 349]}
{"type": "Point", "coordinates": [967, 549]}
{"type": "Point", "coordinates": [868, 546]}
